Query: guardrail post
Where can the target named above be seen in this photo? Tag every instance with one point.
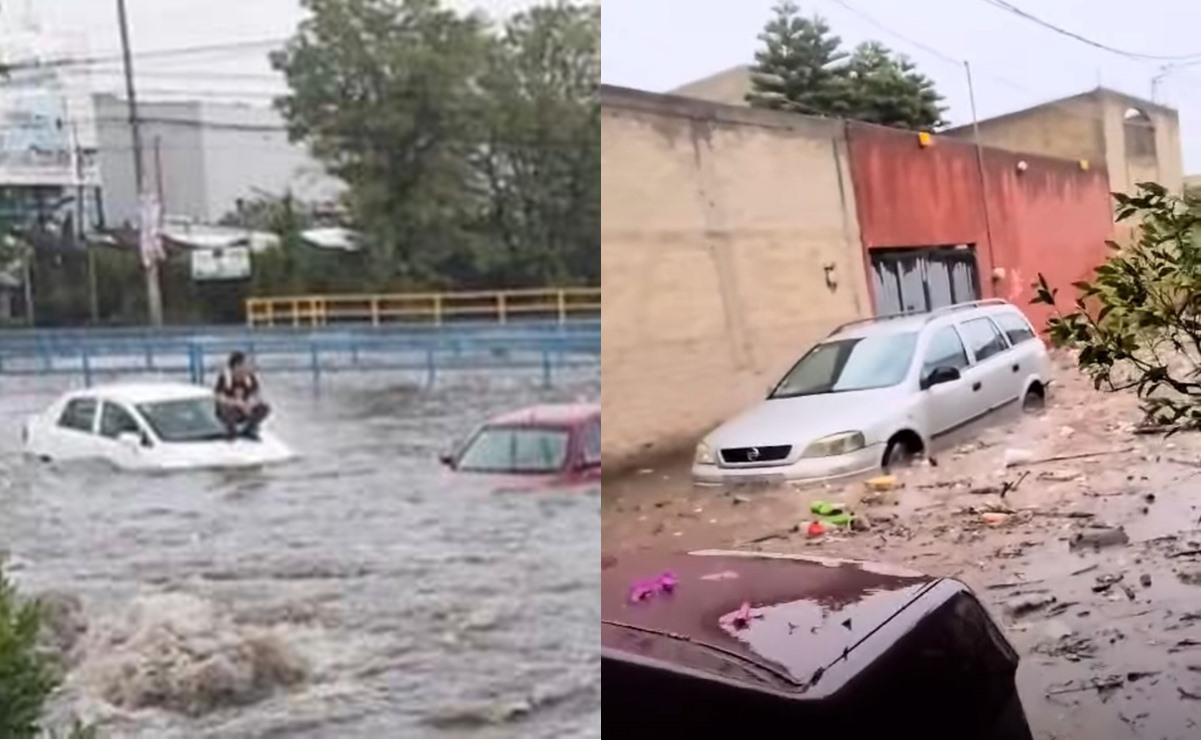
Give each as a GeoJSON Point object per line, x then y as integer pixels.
{"type": "Point", "coordinates": [438, 310]}
{"type": "Point", "coordinates": [87, 367]}
{"type": "Point", "coordinates": [500, 307]}
{"type": "Point", "coordinates": [315, 364]}
{"type": "Point", "coordinates": [375, 310]}
{"type": "Point", "coordinates": [562, 306]}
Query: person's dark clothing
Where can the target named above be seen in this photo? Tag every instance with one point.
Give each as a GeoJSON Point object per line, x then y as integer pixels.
{"type": "Point", "coordinates": [239, 421]}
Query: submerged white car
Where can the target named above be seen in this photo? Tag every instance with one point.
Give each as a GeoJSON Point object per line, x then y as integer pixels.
{"type": "Point", "coordinates": [145, 426]}
{"type": "Point", "coordinates": [878, 392]}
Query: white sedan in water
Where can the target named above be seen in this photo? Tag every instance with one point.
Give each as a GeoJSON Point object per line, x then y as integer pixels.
{"type": "Point", "coordinates": [145, 426]}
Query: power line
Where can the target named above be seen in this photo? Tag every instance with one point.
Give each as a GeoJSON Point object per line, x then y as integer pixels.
{"type": "Point", "coordinates": [1006, 6]}
{"type": "Point", "coordinates": [1067, 109]}
{"type": "Point", "coordinates": [116, 57]}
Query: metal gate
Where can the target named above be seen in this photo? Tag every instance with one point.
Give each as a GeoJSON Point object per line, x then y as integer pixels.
{"type": "Point", "coordinates": [922, 279]}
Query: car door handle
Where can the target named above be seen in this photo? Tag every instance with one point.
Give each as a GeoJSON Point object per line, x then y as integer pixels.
{"type": "Point", "coordinates": [1016, 367]}
{"type": "Point", "coordinates": [976, 386]}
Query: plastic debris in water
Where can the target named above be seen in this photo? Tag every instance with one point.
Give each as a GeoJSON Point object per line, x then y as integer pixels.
{"type": "Point", "coordinates": [645, 589]}
{"type": "Point", "coordinates": [742, 618]}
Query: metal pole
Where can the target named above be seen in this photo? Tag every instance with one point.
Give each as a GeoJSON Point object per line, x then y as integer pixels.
{"type": "Point", "coordinates": [980, 168]}
{"type": "Point", "coordinates": [154, 298]}
{"type": "Point", "coordinates": [80, 214]}
{"type": "Point", "coordinates": [158, 173]}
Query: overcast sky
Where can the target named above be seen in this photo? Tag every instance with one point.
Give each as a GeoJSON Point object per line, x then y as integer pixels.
{"type": "Point", "coordinates": [659, 44]}
{"type": "Point", "coordinates": [172, 24]}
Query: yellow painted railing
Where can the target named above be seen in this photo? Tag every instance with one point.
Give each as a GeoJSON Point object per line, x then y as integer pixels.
{"type": "Point", "coordinates": [559, 304]}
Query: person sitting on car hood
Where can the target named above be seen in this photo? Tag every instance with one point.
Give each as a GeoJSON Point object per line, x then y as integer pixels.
{"type": "Point", "coordinates": [239, 402]}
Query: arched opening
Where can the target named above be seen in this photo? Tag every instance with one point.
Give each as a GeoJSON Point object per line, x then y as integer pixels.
{"type": "Point", "coordinates": [1139, 132]}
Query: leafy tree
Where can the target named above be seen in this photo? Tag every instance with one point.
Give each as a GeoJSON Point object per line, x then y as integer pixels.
{"type": "Point", "coordinates": [796, 70]}
{"type": "Point", "coordinates": [885, 88]}
{"type": "Point", "coordinates": [801, 68]}
{"type": "Point", "coordinates": [385, 93]}
{"type": "Point", "coordinates": [1137, 323]}
{"type": "Point", "coordinates": [541, 160]}
{"type": "Point", "coordinates": [27, 677]}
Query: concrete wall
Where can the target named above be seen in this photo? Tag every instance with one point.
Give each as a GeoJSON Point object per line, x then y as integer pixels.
{"type": "Point", "coordinates": [1052, 218]}
{"type": "Point", "coordinates": [716, 225]}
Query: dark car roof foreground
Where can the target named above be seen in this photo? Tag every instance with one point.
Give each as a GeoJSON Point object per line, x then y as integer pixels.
{"type": "Point", "coordinates": [807, 616]}
{"type": "Point", "coordinates": [754, 645]}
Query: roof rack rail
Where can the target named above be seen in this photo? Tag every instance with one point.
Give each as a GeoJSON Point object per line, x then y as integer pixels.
{"type": "Point", "coordinates": [930, 315]}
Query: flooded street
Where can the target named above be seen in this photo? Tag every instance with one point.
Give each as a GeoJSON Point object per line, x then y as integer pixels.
{"type": "Point", "coordinates": [1092, 563]}
{"type": "Point", "coordinates": [360, 591]}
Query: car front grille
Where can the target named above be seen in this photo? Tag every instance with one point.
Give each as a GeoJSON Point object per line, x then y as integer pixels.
{"type": "Point", "coordinates": [745, 455]}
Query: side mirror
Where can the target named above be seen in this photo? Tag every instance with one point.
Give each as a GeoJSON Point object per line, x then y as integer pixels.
{"type": "Point", "coordinates": [447, 459]}
{"type": "Point", "coordinates": [940, 375]}
{"type": "Point", "coordinates": [131, 439]}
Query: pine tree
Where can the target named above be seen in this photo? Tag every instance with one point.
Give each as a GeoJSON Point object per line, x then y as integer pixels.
{"type": "Point", "coordinates": [796, 70]}
{"type": "Point", "coordinates": [886, 89]}
{"type": "Point", "coordinates": [802, 69]}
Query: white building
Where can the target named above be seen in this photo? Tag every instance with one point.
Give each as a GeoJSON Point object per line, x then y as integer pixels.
{"type": "Point", "coordinates": [202, 158]}
{"type": "Point", "coordinates": [47, 123]}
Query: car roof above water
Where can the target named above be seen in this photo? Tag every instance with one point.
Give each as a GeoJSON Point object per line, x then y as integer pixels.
{"type": "Point", "coordinates": [900, 324]}
{"type": "Point", "coordinates": [810, 618]}
{"type": "Point", "coordinates": [562, 414]}
{"type": "Point", "coordinates": [137, 393]}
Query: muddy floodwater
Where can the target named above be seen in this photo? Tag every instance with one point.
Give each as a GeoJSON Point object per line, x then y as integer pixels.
{"type": "Point", "coordinates": [1081, 536]}
{"type": "Point", "coordinates": [361, 591]}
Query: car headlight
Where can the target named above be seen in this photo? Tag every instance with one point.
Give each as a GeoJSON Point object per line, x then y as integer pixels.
{"type": "Point", "coordinates": [836, 444]}
{"type": "Point", "coordinates": [704, 455]}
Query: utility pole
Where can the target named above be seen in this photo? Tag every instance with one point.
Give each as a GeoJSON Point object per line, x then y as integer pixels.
{"type": "Point", "coordinates": [154, 297]}
{"type": "Point", "coordinates": [80, 215]}
{"type": "Point", "coordinates": [971, 92]}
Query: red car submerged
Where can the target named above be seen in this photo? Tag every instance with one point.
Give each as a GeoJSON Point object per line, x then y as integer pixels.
{"type": "Point", "coordinates": [549, 446]}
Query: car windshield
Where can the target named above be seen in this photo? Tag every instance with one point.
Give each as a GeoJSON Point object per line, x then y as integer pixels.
{"type": "Point", "coordinates": [516, 450]}
{"type": "Point", "coordinates": [854, 364]}
{"type": "Point", "coordinates": [186, 420]}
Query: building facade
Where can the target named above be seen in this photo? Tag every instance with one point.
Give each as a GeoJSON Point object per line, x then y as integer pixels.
{"type": "Point", "coordinates": [202, 158]}
{"type": "Point", "coordinates": [1135, 139]}
{"type": "Point", "coordinates": [734, 238]}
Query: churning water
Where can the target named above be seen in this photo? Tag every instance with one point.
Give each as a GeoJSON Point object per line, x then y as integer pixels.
{"type": "Point", "coordinates": [360, 591]}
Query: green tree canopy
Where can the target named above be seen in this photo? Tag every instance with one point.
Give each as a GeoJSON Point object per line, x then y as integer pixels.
{"type": "Point", "coordinates": [885, 88]}
{"type": "Point", "coordinates": [801, 68]}
{"type": "Point", "coordinates": [471, 155]}
{"type": "Point", "coordinates": [796, 68]}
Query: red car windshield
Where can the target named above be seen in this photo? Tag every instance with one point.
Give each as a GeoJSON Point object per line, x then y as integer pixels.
{"type": "Point", "coordinates": [516, 450]}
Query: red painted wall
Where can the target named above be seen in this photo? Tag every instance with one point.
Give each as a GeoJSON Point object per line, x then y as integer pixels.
{"type": "Point", "coordinates": [1053, 218]}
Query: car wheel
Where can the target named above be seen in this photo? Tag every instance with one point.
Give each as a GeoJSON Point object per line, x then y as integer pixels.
{"type": "Point", "coordinates": [899, 454]}
{"type": "Point", "coordinates": [1035, 400]}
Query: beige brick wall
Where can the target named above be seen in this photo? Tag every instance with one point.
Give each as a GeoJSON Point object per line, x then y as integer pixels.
{"type": "Point", "coordinates": [716, 224]}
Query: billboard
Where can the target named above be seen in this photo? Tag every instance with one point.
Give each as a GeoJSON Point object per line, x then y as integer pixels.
{"type": "Point", "coordinates": [223, 263]}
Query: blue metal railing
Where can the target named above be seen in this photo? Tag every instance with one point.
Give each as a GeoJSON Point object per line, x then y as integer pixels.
{"type": "Point", "coordinates": [198, 352]}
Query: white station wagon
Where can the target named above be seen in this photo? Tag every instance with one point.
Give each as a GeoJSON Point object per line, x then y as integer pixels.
{"type": "Point", "coordinates": [145, 426]}
{"type": "Point", "coordinates": [878, 392]}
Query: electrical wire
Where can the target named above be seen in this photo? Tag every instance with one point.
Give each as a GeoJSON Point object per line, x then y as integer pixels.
{"type": "Point", "coordinates": [1009, 7]}
{"type": "Point", "coordinates": [116, 57]}
{"type": "Point", "coordinates": [1058, 103]}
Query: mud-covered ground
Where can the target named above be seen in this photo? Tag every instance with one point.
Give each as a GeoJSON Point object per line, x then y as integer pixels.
{"type": "Point", "coordinates": [1109, 631]}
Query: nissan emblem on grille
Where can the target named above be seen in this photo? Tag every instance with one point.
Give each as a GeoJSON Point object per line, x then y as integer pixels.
{"type": "Point", "coordinates": [752, 454]}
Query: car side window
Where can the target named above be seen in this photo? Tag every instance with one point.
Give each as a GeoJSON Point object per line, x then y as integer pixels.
{"type": "Point", "coordinates": [592, 443]}
{"type": "Point", "coordinates": [983, 338]}
{"type": "Point", "coordinates": [79, 415]}
{"type": "Point", "coordinates": [945, 350]}
{"type": "Point", "coordinates": [115, 421]}
{"type": "Point", "coordinates": [1015, 326]}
